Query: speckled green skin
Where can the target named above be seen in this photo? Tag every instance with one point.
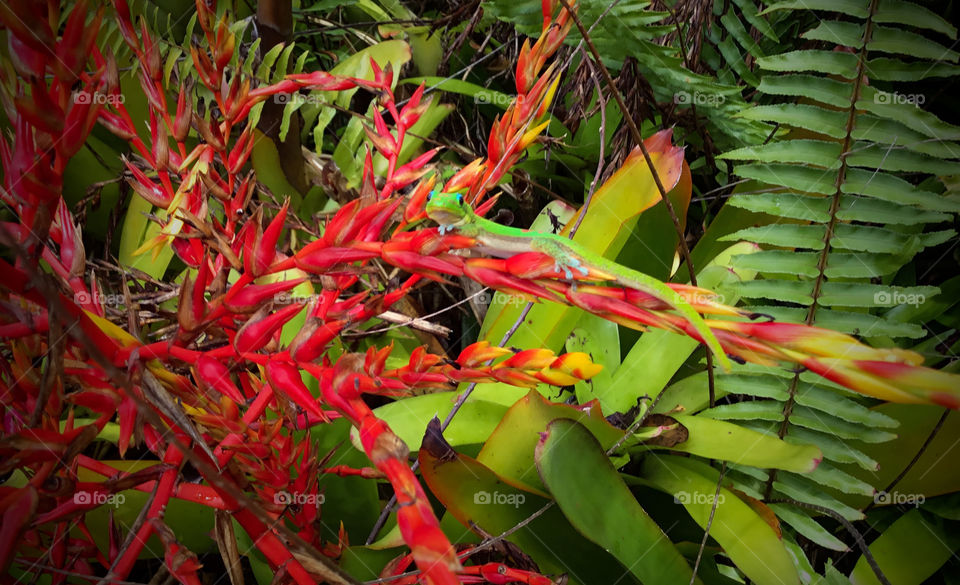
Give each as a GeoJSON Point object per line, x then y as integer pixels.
{"type": "Point", "coordinates": [454, 214]}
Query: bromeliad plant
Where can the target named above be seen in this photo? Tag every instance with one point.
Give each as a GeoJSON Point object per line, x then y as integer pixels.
{"type": "Point", "coordinates": [227, 390]}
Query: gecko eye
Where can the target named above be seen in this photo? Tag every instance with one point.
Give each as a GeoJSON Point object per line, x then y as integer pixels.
{"type": "Point", "coordinates": [459, 199]}
{"type": "Point", "coordinates": [432, 193]}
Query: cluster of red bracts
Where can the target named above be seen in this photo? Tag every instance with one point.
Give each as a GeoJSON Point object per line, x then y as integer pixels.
{"type": "Point", "coordinates": [228, 392]}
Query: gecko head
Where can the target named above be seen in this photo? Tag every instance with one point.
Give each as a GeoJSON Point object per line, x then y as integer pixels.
{"type": "Point", "coordinates": [447, 209]}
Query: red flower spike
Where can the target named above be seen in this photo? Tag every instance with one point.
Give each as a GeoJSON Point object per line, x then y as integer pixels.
{"type": "Point", "coordinates": [252, 296]}
{"type": "Point", "coordinates": [73, 50]}
{"type": "Point", "coordinates": [529, 359]}
{"type": "Point", "coordinates": [376, 360]}
{"type": "Point", "coordinates": [411, 112]}
{"type": "Point", "coordinates": [426, 265]}
{"type": "Point", "coordinates": [418, 200]}
{"type": "Point", "coordinates": [265, 249]}
{"type": "Point", "coordinates": [15, 14]}
{"type": "Point", "coordinates": [27, 62]}
{"type": "Point", "coordinates": [258, 330]}
{"type": "Point", "coordinates": [479, 353]}
{"type": "Point", "coordinates": [316, 258]}
{"type": "Point", "coordinates": [16, 519]}
{"type": "Point", "coordinates": [313, 339]}
{"type": "Point", "coordinates": [40, 111]}
{"type": "Point", "coordinates": [385, 144]}
{"type": "Point", "coordinates": [490, 272]}
{"type": "Point", "coordinates": [215, 375]}
{"type": "Point", "coordinates": [466, 177]}
{"type": "Point", "coordinates": [285, 379]}
{"type": "Point", "coordinates": [159, 142]}
{"type": "Point", "coordinates": [531, 265]}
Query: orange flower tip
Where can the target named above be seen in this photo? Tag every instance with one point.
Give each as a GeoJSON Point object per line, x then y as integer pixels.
{"type": "Point", "coordinates": [578, 364]}
{"type": "Point", "coordinates": [951, 401]}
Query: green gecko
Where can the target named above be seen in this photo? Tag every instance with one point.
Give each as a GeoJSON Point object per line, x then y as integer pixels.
{"type": "Point", "coordinates": [453, 213]}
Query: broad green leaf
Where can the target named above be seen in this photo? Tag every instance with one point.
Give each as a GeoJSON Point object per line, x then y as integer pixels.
{"type": "Point", "coordinates": [895, 40]}
{"type": "Point", "coordinates": [884, 69]}
{"type": "Point", "coordinates": [905, 109]}
{"type": "Point", "coordinates": [478, 417]}
{"type": "Point", "coordinates": [751, 14]}
{"type": "Point", "coordinates": [715, 439]}
{"type": "Point", "coordinates": [480, 95]}
{"type": "Point", "coordinates": [830, 476]}
{"type": "Point", "coordinates": [752, 544]}
{"type": "Point", "coordinates": [600, 339]}
{"type": "Point", "coordinates": [833, 448]}
{"type": "Point", "coordinates": [800, 488]}
{"type": "Point", "coordinates": [846, 237]}
{"type": "Point", "coordinates": [598, 503]}
{"type": "Point", "coordinates": [136, 230]}
{"type": "Point", "coordinates": [910, 551]}
{"type": "Point", "coordinates": [870, 210]}
{"type": "Point", "coordinates": [890, 158]}
{"type": "Point", "coordinates": [828, 62]}
{"type": "Point", "coordinates": [348, 501]}
{"type": "Point", "coordinates": [268, 61]}
{"type": "Point", "coordinates": [654, 359]}
{"type": "Point", "coordinates": [891, 131]}
{"type": "Point", "coordinates": [855, 8]}
{"type": "Point", "coordinates": [842, 294]}
{"type": "Point", "coordinates": [426, 48]}
{"type": "Point", "coordinates": [733, 26]}
{"type": "Point", "coordinates": [835, 32]}
{"type": "Point", "coordinates": [813, 152]}
{"type": "Point", "coordinates": [934, 472]}
{"type": "Point", "coordinates": [265, 159]}
{"type": "Point", "coordinates": [912, 14]}
{"type": "Point", "coordinates": [840, 406]}
{"type": "Point", "coordinates": [823, 422]}
{"type": "Point", "coordinates": [773, 411]}
{"type": "Point", "coordinates": [780, 262]}
{"type": "Point", "coordinates": [792, 205]}
{"type": "Point", "coordinates": [794, 177]}
{"type": "Point", "coordinates": [821, 89]}
{"type": "Point", "coordinates": [475, 495]}
{"type": "Point", "coordinates": [814, 118]}
{"type": "Point", "coordinates": [808, 527]}
{"type": "Point", "coordinates": [691, 394]}
{"type": "Point", "coordinates": [509, 451]}
{"type": "Point", "coordinates": [892, 188]}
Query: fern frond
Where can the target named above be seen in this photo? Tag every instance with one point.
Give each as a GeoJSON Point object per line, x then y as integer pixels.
{"type": "Point", "coordinates": [841, 184]}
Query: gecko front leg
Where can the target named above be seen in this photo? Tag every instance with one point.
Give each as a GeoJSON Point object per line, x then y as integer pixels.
{"type": "Point", "coordinates": [562, 258]}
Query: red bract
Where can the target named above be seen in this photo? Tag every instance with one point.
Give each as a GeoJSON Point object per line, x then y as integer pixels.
{"type": "Point", "coordinates": [209, 390]}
